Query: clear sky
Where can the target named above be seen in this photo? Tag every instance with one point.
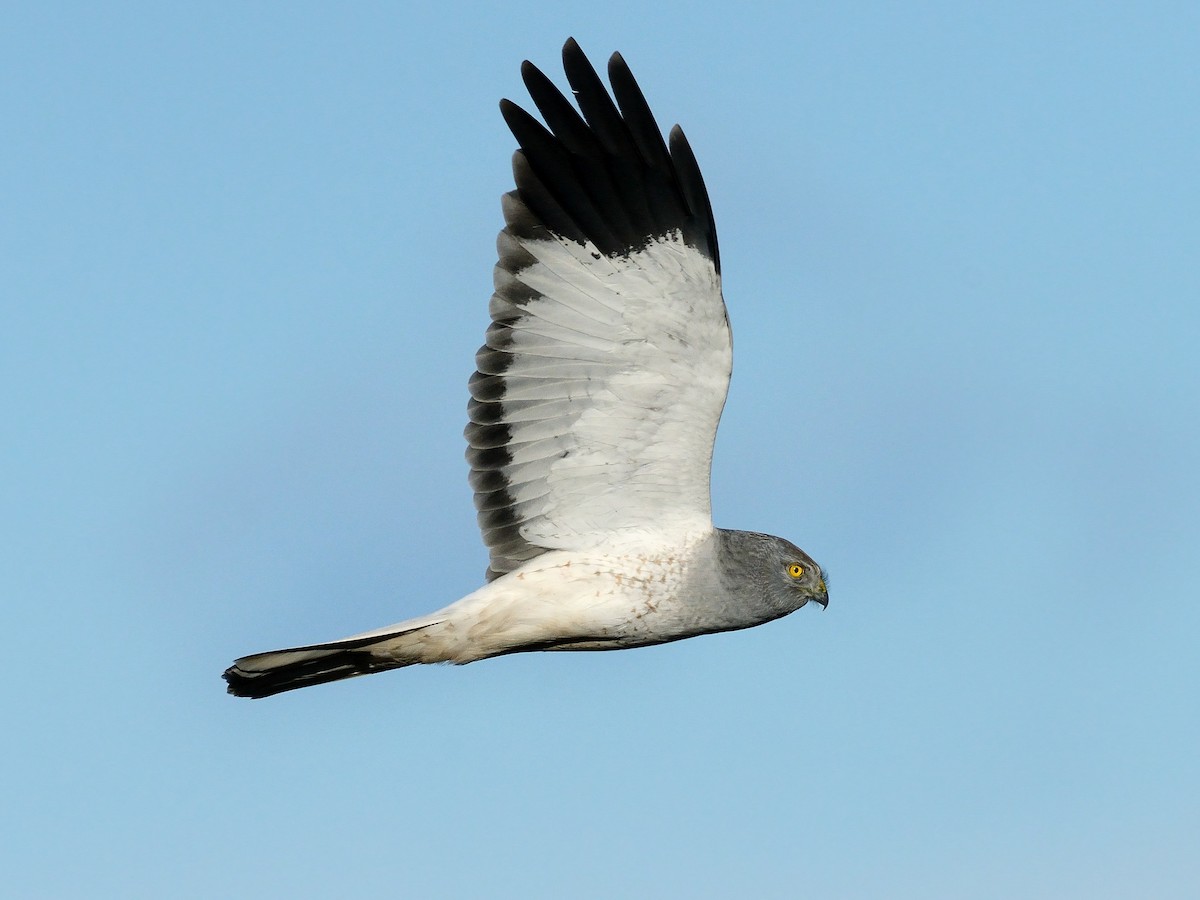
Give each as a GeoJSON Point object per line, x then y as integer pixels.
{"type": "Point", "coordinates": [245, 258]}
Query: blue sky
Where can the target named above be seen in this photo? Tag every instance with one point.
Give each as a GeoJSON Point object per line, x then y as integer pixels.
{"type": "Point", "coordinates": [246, 259]}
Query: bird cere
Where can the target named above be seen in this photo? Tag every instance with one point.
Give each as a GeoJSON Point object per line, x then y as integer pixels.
{"type": "Point", "coordinates": [593, 412]}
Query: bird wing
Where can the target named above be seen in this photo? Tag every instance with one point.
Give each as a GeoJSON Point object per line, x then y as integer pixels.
{"type": "Point", "coordinates": [606, 366]}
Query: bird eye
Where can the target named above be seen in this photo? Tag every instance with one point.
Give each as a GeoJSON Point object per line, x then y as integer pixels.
{"type": "Point", "coordinates": [795, 570]}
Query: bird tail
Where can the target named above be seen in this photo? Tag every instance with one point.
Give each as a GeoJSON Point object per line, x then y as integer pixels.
{"type": "Point", "coordinates": [264, 674]}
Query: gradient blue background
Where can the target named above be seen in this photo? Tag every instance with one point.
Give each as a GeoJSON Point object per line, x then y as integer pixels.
{"type": "Point", "coordinates": [246, 253]}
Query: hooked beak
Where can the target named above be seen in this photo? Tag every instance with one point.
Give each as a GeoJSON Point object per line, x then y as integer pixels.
{"type": "Point", "coordinates": [823, 597]}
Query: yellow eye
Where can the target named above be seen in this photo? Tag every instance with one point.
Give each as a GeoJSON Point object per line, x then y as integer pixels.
{"type": "Point", "coordinates": [795, 570]}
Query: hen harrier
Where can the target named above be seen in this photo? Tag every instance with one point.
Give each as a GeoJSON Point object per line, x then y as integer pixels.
{"type": "Point", "coordinates": [593, 412]}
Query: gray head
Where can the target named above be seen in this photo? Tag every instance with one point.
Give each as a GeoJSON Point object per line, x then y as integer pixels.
{"type": "Point", "coordinates": [784, 576]}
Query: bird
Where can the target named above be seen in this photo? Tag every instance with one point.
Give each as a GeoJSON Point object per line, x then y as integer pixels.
{"type": "Point", "coordinates": [592, 414]}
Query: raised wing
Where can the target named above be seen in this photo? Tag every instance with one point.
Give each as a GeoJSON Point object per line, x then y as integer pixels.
{"type": "Point", "coordinates": [605, 369]}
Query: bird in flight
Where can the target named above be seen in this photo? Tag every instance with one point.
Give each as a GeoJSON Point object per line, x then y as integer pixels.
{"type": "Point", "coordinates": [593, 412]}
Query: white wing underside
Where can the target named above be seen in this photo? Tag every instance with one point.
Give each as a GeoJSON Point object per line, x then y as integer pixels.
{"type": "Point", "coordinates": [603, 374]}
{"type": "Point", "coordinates": [618, 373]}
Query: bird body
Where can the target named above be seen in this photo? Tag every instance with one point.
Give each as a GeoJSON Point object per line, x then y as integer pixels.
{"type": "Point", "coordinates": [593, 411]}
{"type": "Point", "coordinates": [624, 594]}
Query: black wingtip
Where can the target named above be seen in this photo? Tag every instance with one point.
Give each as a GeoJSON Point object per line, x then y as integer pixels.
{"type": "Point", "coordinates": [604, 173]}
{"type": "Point", "coordinates": [507, 107]}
